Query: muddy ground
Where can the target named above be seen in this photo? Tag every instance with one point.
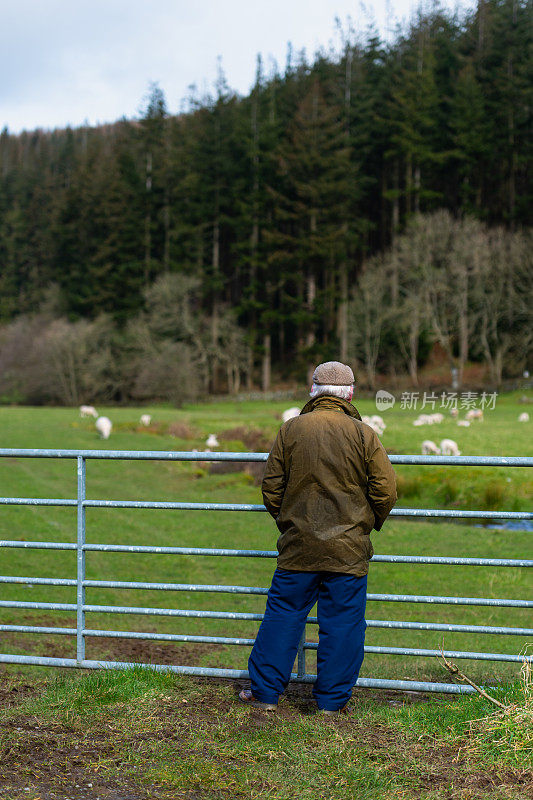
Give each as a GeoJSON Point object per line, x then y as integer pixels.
{"type": "Point", "coordinates": [57, 761]}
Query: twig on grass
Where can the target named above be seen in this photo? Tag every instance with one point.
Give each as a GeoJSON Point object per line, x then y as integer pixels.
{"type": "Point", "coordinates": [453, 669]}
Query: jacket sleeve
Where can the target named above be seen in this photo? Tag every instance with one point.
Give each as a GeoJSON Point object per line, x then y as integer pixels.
{"type": "Point", "coordinates": [381, 487]}
{"type": "Point", "coordinates": [274, 481]}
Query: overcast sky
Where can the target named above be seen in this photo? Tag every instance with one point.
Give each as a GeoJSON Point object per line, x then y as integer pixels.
{"type": "Point", "coordinates": [74, 61]}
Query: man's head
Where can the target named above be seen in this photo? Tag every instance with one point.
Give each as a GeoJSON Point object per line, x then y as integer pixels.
{"type": "Point", "coordinates": [333, 377]}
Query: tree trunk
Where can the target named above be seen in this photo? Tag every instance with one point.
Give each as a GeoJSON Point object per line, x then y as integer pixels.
{"type": "Point", "coordinates": [250, 367]}
{"type": "Point", "coordinates": [395, 221]}
{"type": "Point", "coordinates": [310, 302]}
{"type": "Point", "coordinates": [342, 313]}
{"type": "Point", "coordinates": [148, 221]}
{"type": "Point", "coordinates": [408, 176]}
{"type": "Point", "coordinates": [311, 291]}
{"type": "Point", "coordinates": [215, 264]}
{"type": "Point", "coordinates": [511, 139]}
{"type": "Point", "coordinates": [417, 183]}
{"type": "Point", "coordinates": [166, 223]}
{"type": "Point", "coordinates": [414, 334]}
{"type": "Point", "coordinates": [463, 298]}
{"type": "Point", "coordinates": [266, 371]}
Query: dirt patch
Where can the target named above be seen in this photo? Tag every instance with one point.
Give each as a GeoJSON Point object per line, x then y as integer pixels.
{"type": "Point", "coordinates": [107, 649]}
{"type": "Point", "coordinates": [12, 695]}
{"type": "Point", "coordinates": [55, 761]}
{"type": "Point", "coordinates": [254, 468]}
{"type": "Point", "coordinates": [148, 652]}
{"type": "Point", "coordinates": [180, 430]}
{"type": "Point", "coordinates": [253, 438]}
{"type": "Point", "coordinates": [78, 760]}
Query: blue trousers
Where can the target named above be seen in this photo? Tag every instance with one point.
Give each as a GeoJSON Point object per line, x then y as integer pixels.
{"type": "Point", "coordinates": [341, 602]}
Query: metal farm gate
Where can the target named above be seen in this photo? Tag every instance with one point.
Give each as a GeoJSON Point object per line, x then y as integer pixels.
{"type": "Point", "coordinates": [82, 547]}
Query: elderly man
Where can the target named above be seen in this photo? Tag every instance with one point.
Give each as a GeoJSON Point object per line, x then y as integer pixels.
{"type": "Point", "coordinates": [328, 482]}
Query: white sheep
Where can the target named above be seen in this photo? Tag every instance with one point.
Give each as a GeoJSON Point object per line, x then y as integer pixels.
{"type": "Point", "coordinates": [437, 418]}
{"type": "Point", "coordinates": [88, 411]}
{"type": "Point", "coordinates": [146, 419]}
{"type": "Point", "coordinates": [429, 448]}
{"type": "Point", "coordinates": [424, 419]}
{"type": "Point", "coordinates": [289, 413]}
{"type": "Point", "coordinates": [454, 413]}
{"type": "Point", "coordinates": [463, 423]}
{"type": "Point", "coordinates": [104, 427]}
{"type": "Point", "coordinates": [378, 421]}
{"type": "Point", "coordinates": [524, 417]}
{"type": "Point", "coordinates": [449, 448]}
{"type": "Point", "coordinates": [375, 428]}
{"type": "Point", "coordinates": [474, 413]}
{"type": "Point", "coordinates": [211, 441]}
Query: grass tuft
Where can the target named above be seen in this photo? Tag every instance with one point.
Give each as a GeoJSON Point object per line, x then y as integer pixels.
{"type": "Point", "coordinates": [87, 694]}
{"type": "Point", "coordinates": [508, 733]}
{"type": "Point", "coordinates": [494, 495]}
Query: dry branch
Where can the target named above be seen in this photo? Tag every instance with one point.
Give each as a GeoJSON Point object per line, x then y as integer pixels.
{"type": "Point", "coordinates": [453, 669]}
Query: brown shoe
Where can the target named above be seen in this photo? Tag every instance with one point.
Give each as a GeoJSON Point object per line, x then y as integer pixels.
{"type": "Point", "coordinates": [330, 713]}
{"type": "Point", "coordinates": [247, 697]}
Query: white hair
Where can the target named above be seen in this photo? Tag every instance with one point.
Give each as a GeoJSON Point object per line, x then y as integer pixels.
{"type": "Point", "coordinates": [344, 392]}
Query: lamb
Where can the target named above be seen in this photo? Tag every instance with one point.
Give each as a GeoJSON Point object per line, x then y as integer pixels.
{"type": "Point", "coordinates": [437, 418]}
{"type": "Point", "coordinates": [211, 441]}
{"type": "Point", "coordinates": [463, 423]}
{"type": "Point", "coordinates": [454, 413]}
{"type": "Point", "coordinates": [475, 413]}
{"type": "Point", "coordinates": [376, 428]}
{"type": "Point", "coordinates": [429, 448]}
{"type": "Point", "coordinates": [377, 424]}
{"type": "Point", "coordinates": [146, 419]}
{"type": "Point", "coordinates": [88, 411]}
{"type": "Point", "coordinates": [424, 419]}
{"type": "Point", "coordinates": [524, 417]}
{"type": "Point", "coordinates": [289, 413]}
{"type": "Point", "coordinates": [104, 427]}
{"type": "Point", "coordinates": [449, 448]}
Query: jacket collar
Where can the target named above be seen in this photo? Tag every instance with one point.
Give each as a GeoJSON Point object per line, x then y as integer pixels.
{"type": "Point", "coordinates": [325, 401]}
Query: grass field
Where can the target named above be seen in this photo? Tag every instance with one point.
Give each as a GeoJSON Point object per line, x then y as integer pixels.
{"type": "Point", "coordinates": [499, 434]}
{"type": "Point", "coordinates": [126, 734]}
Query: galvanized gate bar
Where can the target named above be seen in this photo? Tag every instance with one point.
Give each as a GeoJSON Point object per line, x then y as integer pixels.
{"type": "Point", "coordinates": [395, 598]}
{"type": "Point", "coordinates": [179, 637]}
{"type": "Point", "coordinates": [39, 545]}
{"type": "Point", "coordinates": [36, 501]}
{"type": "Point", "coordinates": [174, 506]}
{"type": "Point", "coordinates": [172, 612]}
{"type": "Point", "coordinates": [80, 590]}
{"type": "Point", "coordinates": [188, 455]}
{"type": "Point", "coordinates": [208, 672]}
{"type": "Point", "coordinates": [392, 559]}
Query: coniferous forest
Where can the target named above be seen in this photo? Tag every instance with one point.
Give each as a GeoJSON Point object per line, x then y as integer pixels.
{"type": "Point", "coordinates": [364, 205]}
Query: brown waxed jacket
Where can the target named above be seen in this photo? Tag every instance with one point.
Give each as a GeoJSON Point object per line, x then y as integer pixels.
{"type": "Point", "coordinates": [328, 482]}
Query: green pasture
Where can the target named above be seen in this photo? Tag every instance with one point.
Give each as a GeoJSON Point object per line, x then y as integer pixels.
{"type": "Point", "coordinates": [481, 488]}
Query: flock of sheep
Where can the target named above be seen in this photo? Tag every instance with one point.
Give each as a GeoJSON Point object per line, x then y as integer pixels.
{"type": "Point", "coordinates": [103, 425]}
{"type": "Point", "coordinates": [447, 447]}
